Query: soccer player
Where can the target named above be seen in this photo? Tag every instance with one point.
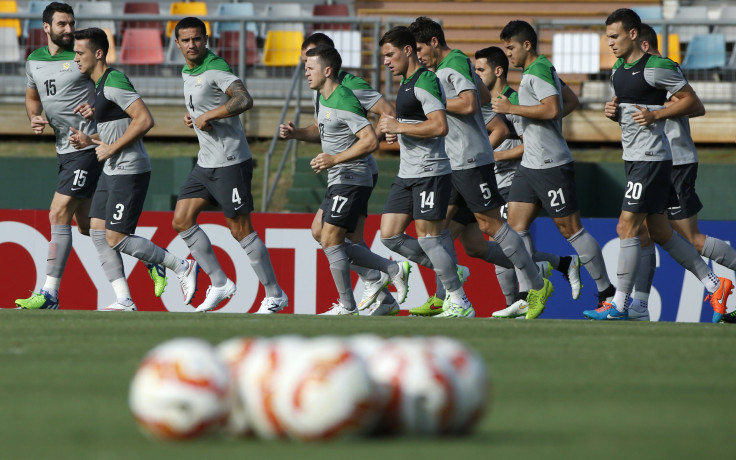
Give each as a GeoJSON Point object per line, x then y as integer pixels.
{"type": "Point", "coordinates": [54, 84]}
{"type": "Point", "coordinates": [471, 157]}
{"type": "Point", "coordinates": [122, 120]}
{"type": "Point", "coordinates": [347, 138]}
{"type": "Point", "coordinates": [374, 281]}
{"type": "Point", "coordinates": [683, 216]}
{"type": "Point", "coordinates": [214, 98]}
{"type": "Point", "coordinates": [546, 176]}
{"type": "Point", "coordinates": [641, 83]}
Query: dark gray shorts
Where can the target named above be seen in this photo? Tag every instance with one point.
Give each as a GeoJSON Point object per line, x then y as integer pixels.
{"type": "Point", "coordinates": [344, 204]}
{"type": "Point", "coordinates": [423, 198]}
{"type": "Point", "coordinates": [688, 203]}
{"type": "Point", "coordinates": [554, 189]}
{"type": "Point", "coordinates": [649, 187]}
{"type": "Point", "coordinates": [119, 200]}
{"type": "Point", "coordinates": [476, 189]}
{"type": "Point", "coordinates": [79, 173]}
{"type": "Point", "coordinates": [228, 186]}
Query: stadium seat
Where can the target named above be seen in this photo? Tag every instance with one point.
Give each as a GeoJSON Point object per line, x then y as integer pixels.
{"type": "Point", "coordinates": [94, 8]}
{"type": "Point", "coordinates": [34, 7]}
{"type": "Point", "coordinates": [349, 44]}
{"type": "Point", "coordinates": [337, 9]}
{"type": "Point", "coordinates": [727, 13]}
{"type": "Point", "coordinates": [228, 47]}
{"type": "Point", "coordinates": [197, 9]}
{"type": "Point", "coordinates": [9, 50]}
{"type": "Point", "coordinates": [140, 8]}
{"type": "Point", "coordinates": [36, 39]}
{"type": "Point", "coordinates": [284, 10]}
{"type": "Point", "coordinates": [283, 48]}
{"type": "Point", "coordinates": [576, 52]}
{"type": "Point", "coordinates": [234, 9]}
{"type": "Point", "coordinates": [142, 47]}
{"type": "Point", "coordinates": [10, 6]}
{"type": "Point", "coordinates": [674, 51]}
{"type": "Point", "coordinates": [647, 13]}
{"type": "Point", "coordinates": [690, 13]}
{"type": "Point", "coordinates": [705, 52]}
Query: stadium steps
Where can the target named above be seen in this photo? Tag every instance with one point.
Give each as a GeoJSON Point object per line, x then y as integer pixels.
{"type": "Point", "coordinates": [308, 188]}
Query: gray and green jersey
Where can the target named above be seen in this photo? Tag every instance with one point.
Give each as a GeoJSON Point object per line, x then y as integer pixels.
{"type": "Point", "coordinates": [505, 169]}
{"type": "Point", "coordinates": [646, 83]}
{"type": "Point", "coordinates": [204, 90]}
{"type": "Point", "coordinates": [544, 146]}
{"type": "Point", "coordinates": [113, 94]}
{"type": "Point", "coordinates": [62, 87]}
{"type": "Point", "coordinates": [339, 118]}
{"type": "Point", "coordinates": [466, 142]}
{"type": "Point", "coordinates": [419, 95]}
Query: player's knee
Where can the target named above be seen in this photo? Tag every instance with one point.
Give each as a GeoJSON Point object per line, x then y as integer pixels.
{"type": "Point", "coordinates": [181, 225]}
{"type": "Point", "coordinates": [393, 242]}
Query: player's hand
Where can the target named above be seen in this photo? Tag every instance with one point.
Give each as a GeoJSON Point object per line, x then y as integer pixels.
{"type": "Point", "coordinates": [391, 138]}
{"type": "Point", "coordinates": [104, 151]}
{"type": "Point", "coordinates": [38, 123]}
{"type": "Point", "coordinates": [644, 117]}
{"type": "Point", "coordinates": [202, 123]}
{"type": "Point", "coordinates": [188, 121]}
{"type": "Point", "coordinates": [321, 162]}
{"type": "Point", "coordinates": [611, 109]}
{"type": "Point", "coordinates": [388, 124]}
{"type": "Point", "coordinates": [501, 104]}
{"type": "Point", "coordinates": [78, 139]}
{"type": "Point", "coordinates": [85, 110]}
{"type": "Point", "coordinates": [286, 131]}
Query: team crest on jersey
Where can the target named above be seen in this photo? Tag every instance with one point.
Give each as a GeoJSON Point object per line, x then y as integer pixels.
{"type": "Point", "coordinates": [328, 114]}
{"type": "Point", "coordinates": [199, 81]}
{"type": "Point", "coordinates": [66, 67]}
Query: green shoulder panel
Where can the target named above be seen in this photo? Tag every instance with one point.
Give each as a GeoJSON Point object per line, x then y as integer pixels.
{"type": "Point", "coordinates": [514, 98]}
{"type": "Point", "coordinates": [661, 63]}
{"type": "Point", "coordinates": [619, 62]}
{"type": "Point", "coordinates": [117, 79]}
{"type": "Point", "coordinates": [428, 82]}
{"type": "Point", "coordinates": [42, 54]}
{"type": "Point", "coordinates": [211, 61]}
{"type": "Point", "coordinates": [541, 68]}
{"type": "Point", "coordinates": [458, 61]}
{"type": "Point", "coordinates": [353, 82]}
{"type": "Point", "coordinates": [343, 99]}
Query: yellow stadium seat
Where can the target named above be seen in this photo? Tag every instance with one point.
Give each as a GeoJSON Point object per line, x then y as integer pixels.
{"type": "Point", "coordinates": [10, 6]}
{"type": "Point", "coordinates": [196, 9]}
{"type": "Point", "coordinates": [282, 48]}
{"type": "Point", "coordinates": [673, 47]}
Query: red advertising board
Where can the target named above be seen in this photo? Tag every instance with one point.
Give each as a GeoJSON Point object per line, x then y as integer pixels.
{"type": "Point", "coordinates": [301, 268]}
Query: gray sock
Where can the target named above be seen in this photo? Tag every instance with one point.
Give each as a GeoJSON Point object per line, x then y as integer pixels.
{"type": "Point", "coordinates": [340, 268]}
{"type": "Point", "coordinates": [686, 255]}
{"type": "Point", "coordinates": [366, 274]}
{"type": "Point", "coordinates": [591, 257]}
{"type": "Point", "coordinates": [513, 247]}
{"type": "Point", "coordinates": [112, 263]}
{"type": "Point", "coordinates": [442, 261]}
{"type": "Point", "coordinates": [449, 244]}
{"type": "Point", "coordinates": [260, 260]}
{"type": "Point", "coordinates": [363, 257]}
{"type": "Point", "coordinates": [201, 249]}
{"type": "Point", "coordinates": [509, 284]}
{"type": "Point", "coordinates": [147, 251]}
{"type": "Point", "coordinates": [645, 270]}
{"type": "Point", "coordinates": [628, 260]}
{"type": "Point", "coordinates": [720, 252]}
{"type": "Point", "coordinates": [553, 259]}
{"type": "Point", "coordinates": [439, 290]}
{"type": "Point", "coordinates": [495, 256]}
{"type": "Point", "coordinates": [408, 247]}
{"type": "Point", "coordinates": [59, 248]}
{"type": "Point", "coordinates": [385, 297]}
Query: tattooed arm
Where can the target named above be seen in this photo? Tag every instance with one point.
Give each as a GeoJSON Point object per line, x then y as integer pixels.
{"type": "Point", "coordinates": [239, 102]}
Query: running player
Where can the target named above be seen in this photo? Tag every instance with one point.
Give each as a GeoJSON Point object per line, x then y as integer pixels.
{"type": "Point", "coordinates": [214, 98]}
{"type": "Point", "coordinates": [471, 156]}
{"type": "Point", "coordinates": [546, 176]}
{"type": "Point", "coordinates": [374, 281]}
{"type": "Point", "coordinates": [347, 138]}
{"type": "Point", "coordinates": [54, 84]}
{"type": "Point", "coordinates": [122, 120]}
{"type": "Point", "coordinates": [641, 83]}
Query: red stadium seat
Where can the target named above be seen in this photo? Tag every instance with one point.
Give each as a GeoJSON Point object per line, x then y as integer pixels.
{"type": "Point", "coordinates": [228, 47]}
{"type": "Point", "coordinates": [36, 40]}
{"type": "Point", "coordinates": [331, 10]}
{"type": "Point", "coordinates": [141, 8]}
{"type": "Point", "coordinates": [142, 47]}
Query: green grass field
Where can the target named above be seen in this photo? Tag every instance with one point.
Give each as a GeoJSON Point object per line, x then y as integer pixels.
{"type": "Point", "coordinates": [563, 389]}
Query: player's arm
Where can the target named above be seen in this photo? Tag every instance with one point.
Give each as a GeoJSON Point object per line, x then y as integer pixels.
{"type": "Point", "coordinates": [141, 123]}
{"type": "Point", "coordinates": [699, 112]}
{"type": "Point", "coordinates": [464, 104]}
{"type": "Point", "coordinates": [367, 143]}
{"type": "Point", "coordinates": [434, 126]}
{"type": "Point", "coordinates": [510, 154]}
{"type": "Point", "coordinates": [379, 108]}
{"type": "Point", "coordinates": [240, 101]}
{"type": "Point", "coordinates": [34, 109]}
{"type": "Point", "coordinates": [547, 109]}
{"type": "Point", "coordinates": [685, 103]}
{"type": "Point", "coordinates": [497, 131]}
{"type": "Point", "coordinates": [308, 133]}
{"type": "Point", "coordinates": [570, 101]}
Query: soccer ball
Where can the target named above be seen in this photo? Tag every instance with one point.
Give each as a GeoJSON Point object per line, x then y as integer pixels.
{"type": "Point", "coordinates": [233, 352]}
{"type": "Point", "coordinates": [180, 390]}
{"type": "Point", "coordinates": [326, 393]}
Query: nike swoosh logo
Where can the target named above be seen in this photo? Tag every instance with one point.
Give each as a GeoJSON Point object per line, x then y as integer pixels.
{"type": "Point", "coordinates": [334, 215]}
{"type": "Point", "coordinates": [76, 188]}
{"type": "Point", "coordinates": [407, 89]}
{"type": "Point", "coordinates": [434, 307]}
{"type": "Point", "coordinates": [487, 203]}
{"type": "Point", "coordinates": [238, 207]}
{"type": "Point", "coordinates": [558, 210]}
{"type": "Point", "coordinates": [634, 73]}
{"type": "Point", "coordinates": [114, 223]}
{"type": "Point", "coordinates": [631, 203]}
{"type": "Point", "coordinates": [612, 317]}
{"type": "Point", "coordinates": [424, 210]}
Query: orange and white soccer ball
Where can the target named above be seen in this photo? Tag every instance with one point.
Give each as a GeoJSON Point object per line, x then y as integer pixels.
{"type": "Point", "coordinates": [180, 390]}
{"type": "Point", "coordinates": [233, 352]}
{"type": "Point", "coordinates": [326, 393]}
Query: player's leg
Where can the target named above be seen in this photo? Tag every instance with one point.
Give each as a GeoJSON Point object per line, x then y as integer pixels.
{"type": "Point", "coordinates": [639, 307]}
{"type": "Point", "coordinates": [396, 217]}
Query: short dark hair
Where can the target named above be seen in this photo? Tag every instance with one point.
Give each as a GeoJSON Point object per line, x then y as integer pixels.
{"type": "Point", "coordinates": [522, 31]}
{"type": "Point", "coordinates": [425, 28]}
{"type": "Point", "coordinates": [317, 39]}
{"type": "Point", "coordinates": [328, 56]}
{"type": "Point", "coordinates": [97, 39]}
{"type": "Point", "coordinates": [190, 23]}
{"type": "Point", "coordinates": [647, 34]}
{"type": "Point", "coordinates": [399, 36]}
{"type": "Point", "coordinates": [627, 17]}
{"type": "Point", "coordinates": [55, 7]}
{"type": "Point", "coordinates": [495, 57]}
